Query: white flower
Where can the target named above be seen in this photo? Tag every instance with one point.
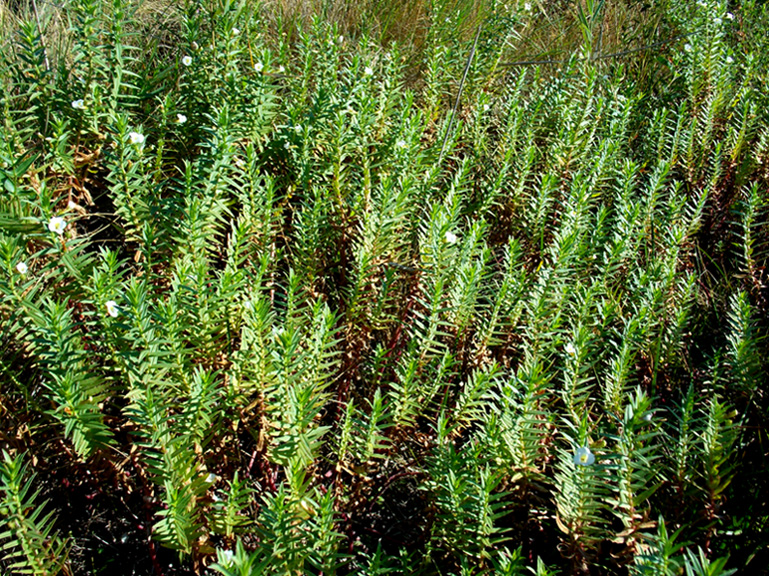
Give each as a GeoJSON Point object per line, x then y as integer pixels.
{"type": "Point", "coordinates": [570, 349]}
{"type": "Point", "coordinates": [181, 118]}
{"type": "Point", "coordinates": [400, 144]}
{"type": "Point", "coordinates": [451, 238]}
{"type": "Point", "coordinates": [486, 107]}
{"type": "Point", "coordinates": [729, 60]}
{"type": "Point", "coordinates": [135, 138]}
{"type": "Point", "coordinates": [648, 417]}
{"type": "Point", "coordinates": [258, 67]}
{"type": "Point", "coordinates": [78, 104]}
{"type": "Point", "coordinates": [688, 47]}
{"type": "Point", "coordinates": [187, 60]}
{"type": "Point", "coordinates": [281, 69]}
{"type": "Point", "coordinates": [583, 456]}
{"type": "Point", "coordinates": [527, 6]}
{"type": "Point", "coordinates": [298, 129]}
{"type": "Point", "coordinates": [247, 305]}
{"type": "Point", "coordinates": [21, 268]}
{"type": "Point", "coordinates": [112, 308]}
{"type": "Point", "coordinates": [729, 16]}
{"type": "Point", "coordinates": [718, 21]}
{"type": "Point", "coordinates": [226, 556]}
{"type": "Point", "coordinates": [57, 225]}
{"type": "Point", "coordinates": [235, 31]}
{"type": "Point", "coordinates": [368, 71]}
{"type": "Point", "coordinates": [277, 332]}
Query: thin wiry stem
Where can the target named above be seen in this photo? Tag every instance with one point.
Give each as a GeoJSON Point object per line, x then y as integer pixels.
{"type": "Point", "coordinates": [459, 92]}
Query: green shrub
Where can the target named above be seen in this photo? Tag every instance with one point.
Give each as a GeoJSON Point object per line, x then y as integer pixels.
{"type": "Point", "coordinates": [333, 292]}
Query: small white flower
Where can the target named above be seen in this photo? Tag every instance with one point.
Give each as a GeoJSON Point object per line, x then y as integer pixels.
{"type": "Point", "coordinates": [187, 60]}
{"type": "Point", "coordinates": [527, 6]}
{"type": "Point", "coordinates": [729, 16]}
{"type": "Point", "coordinates": [281, 69]}
{"type": "Point", "coordinates": [258, 67]}
{"type": "Point", "coordinates": [486, 107]}
{"type": "Point", "coordinates": [181, 118]}
{"type": "Point", "coordinates": [277, 332]}
{"type": "Point", "coordinates": [195, 46]}
{"type": "Point", "coordinates": [451, 238]}
{"type": "Point", "coordinates": [235, 31]}
{"type": "Point", "coordinates": [570, 349]}
{"type": "Point", "coordinates": [298, 129]}
{"type": "Point", "coordinates": [400, 144]}
{"type": "Point", "coordinates": [729, 60]}
{"type": "Point", "coordinates": [78, 104]}
{"type": "Point", "coordinates": [226, 556]}
{"type": "Point", "coordinates": [136, 138]}
{"type": "Point", "coordinates": [718, 21]}
{"type": "Point", "coordinates": [368, 71]}
{"type": "Point", "coordinates": [112, 308]}
{"type": "Point", "coordinates": [307, 506]}
{"type": "Point", "coordinates": [211, 478]}
{"type": "Point", "coordinates": [248, 306]}
{"type": "Point", "coordinates": [57, 225]}
{"type": "Point", "coordinates": [648, 417]}
{"type": "Point", "coordinates": [21, 268]}
{"type": "Point", "coordinates": [688, 47]}
{"type": "Point", "coordinates": [583, 456]}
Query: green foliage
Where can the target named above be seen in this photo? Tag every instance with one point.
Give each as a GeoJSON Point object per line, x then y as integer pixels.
{"type": "Point", "coordinates": [30, 545]}
{"type": "Point", "coordinates": [468, 501]}
{"type": "Point", "coordinates": [358, 292]}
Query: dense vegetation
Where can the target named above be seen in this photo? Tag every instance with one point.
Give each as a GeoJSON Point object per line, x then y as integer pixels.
{"type": "Point", "coordinates": [359, 289]}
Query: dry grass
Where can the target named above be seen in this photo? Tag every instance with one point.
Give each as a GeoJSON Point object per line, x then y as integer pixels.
{"type": "Point", "coordinates": [553, 31]}
{"type": "Point", "coordinates": [407, 22]}
{"type": "Point", "coordinates": [154, 18]}
{"type": "Point", "coordinates": [549, 31]}
{"type": "Point", "coordinates": [47, 15]}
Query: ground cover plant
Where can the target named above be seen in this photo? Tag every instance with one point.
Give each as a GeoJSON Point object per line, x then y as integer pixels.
{"type": "Point", "coordinates": [384, 288]}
